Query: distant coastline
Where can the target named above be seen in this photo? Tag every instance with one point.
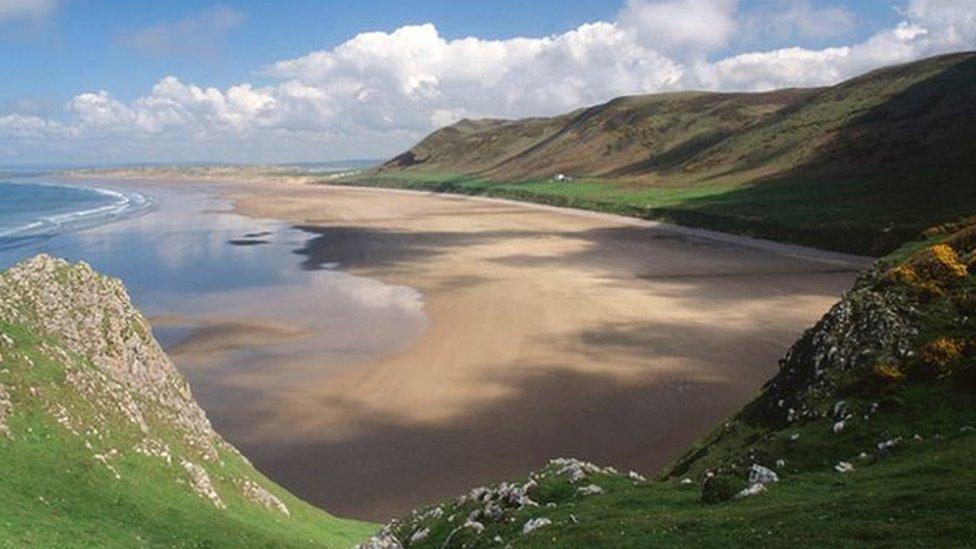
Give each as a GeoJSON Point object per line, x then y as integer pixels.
{"type": "Point", "coordinates": [302, 173]}
{"type": "Point", "coordinates": [38, 208]}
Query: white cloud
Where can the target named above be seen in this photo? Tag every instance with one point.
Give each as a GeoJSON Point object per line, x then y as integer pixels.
{"type": "Point", "coordinates": [379, 91]}
{"type": "Point", "coordinates": [36, 9]}
{"type": "Point", "coordinates": [411, 76]}
{"type": "Point", "coordinates": [953, 22]}
{"type": "Point", "coordinates": [202, 33]}
{"type": "Point", "coordinates": [930, 27]}
{"type": "Point", "coordinates": [682, 26]}
{"type": "Point", "coordinates": [20, 126]}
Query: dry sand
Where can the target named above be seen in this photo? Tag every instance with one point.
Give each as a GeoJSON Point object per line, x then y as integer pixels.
{"type": "Point", "coordinates": [552, 334]}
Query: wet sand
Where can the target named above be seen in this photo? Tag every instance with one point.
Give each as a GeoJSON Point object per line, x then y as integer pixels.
{"type": "Point", "coordinates": [550, 335]}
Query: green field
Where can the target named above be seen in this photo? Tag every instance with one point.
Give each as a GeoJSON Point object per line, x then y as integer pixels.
{"type": "Point", "coordinates": [869, 218]}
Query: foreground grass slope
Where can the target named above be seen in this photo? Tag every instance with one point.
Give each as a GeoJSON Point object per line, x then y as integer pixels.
{"type": "Point", "coordinates": [101, 442]}
{"type": "Point", "coordinates": [865, 437]}
{"type": "Point", "coordinates": [858, 167]}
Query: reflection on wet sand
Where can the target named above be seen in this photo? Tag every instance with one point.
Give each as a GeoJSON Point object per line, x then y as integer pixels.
{"type": "Point", "coordinates": [550, 335]}
{"type": "Point", "coordinates": [244, 323]}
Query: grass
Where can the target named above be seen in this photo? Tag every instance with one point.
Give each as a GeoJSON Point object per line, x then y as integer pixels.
{"type": "Point", "coordinates": [55, 493]}
{"type": "Point", "coordinates": [921, 496]}
{"type": "Point", "coordinates": [871, 217]}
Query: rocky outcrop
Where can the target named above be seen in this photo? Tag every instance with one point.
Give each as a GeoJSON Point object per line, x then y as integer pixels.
{"type": "Point", "coordinates": [201, 484]}
{"type": "Point", "coordinates": [255, 493]}
{"type": "Point", "coordinates": [93, 316]}
{"type": "Point", "coordinates": [5, 408]}
{"type": "Point", "coordinates": [471, 515]}
{"type": "Point", "coordinates": [880, 333]}
{"type": "Point", "coordinates": [133, 399]}
{"type": "Point", "coordinates": [867, 327]}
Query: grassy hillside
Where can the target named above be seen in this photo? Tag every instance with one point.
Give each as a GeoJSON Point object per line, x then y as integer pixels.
{"type": "Point", "coordinates": [858, 167]}
{"type": "Point", "coordinates": [865, 437]}
{"type": "Point", "coordinates": [101, 442]}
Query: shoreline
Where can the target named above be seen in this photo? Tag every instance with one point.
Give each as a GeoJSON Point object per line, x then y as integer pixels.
{"type": "Point", "coordinates": [123, 205]}
{"type": "Point", "coordinates": [782, 248]}
{"type": "Point", "coordinates": [552, 332]}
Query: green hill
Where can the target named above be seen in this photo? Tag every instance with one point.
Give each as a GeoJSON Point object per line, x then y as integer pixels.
{"type": "Point", "coordinates": [858, 167]}
{"type": "Point", "coordinates": [101, 442]}
{"type": "Point", "coordinates": [865, 437]}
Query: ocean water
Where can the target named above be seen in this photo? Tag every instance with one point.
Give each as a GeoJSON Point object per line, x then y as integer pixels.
{"type": "Point", "coordinates": [32, 211]}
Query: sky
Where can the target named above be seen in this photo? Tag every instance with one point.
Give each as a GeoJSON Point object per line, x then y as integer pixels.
{"type": "Point", "coordinates": [105, 82]}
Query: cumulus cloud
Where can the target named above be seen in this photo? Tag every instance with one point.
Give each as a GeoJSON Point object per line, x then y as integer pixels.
{"type": "Point", "coordinates": [21, 126]}
{"type": "Point", "coordinates": [201, 33]}
{"type": "Point", "coordinates": [379, 91]}
{"type": "Point", "coordinates": [413, 76]}
{"type": "Point", "coordinates": [682, 26]}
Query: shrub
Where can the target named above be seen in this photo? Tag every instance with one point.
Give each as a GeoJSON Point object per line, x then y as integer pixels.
{"type": "Point", "coordinates": [902, 274]}
{"type": "Point", "coordinates": [871, 380]}
{"type": "Point", "coordinates": [888, 373]}
{"type": "Point", "coordinates": [722, 487]}
{"type": "Point", "coordinates": [942, 351]}
{"type": "Point", "coordinates": [938, 263]}
{"type": "Point", "coordinates": [936, 358]}
{"type": "Point", "coordinates": [963, 370]}
{"type": "Point", "coordinates": [906, 276]}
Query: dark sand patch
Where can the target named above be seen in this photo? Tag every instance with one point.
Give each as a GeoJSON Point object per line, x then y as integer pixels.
{"type": "Point", "coordinates": [552, 335]}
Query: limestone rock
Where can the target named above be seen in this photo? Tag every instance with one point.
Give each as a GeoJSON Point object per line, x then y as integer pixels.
{"type": "Point", "coordinates": [534, 524]}
{"type": "Point", "coordinates": [762, 475]}
{"type": "Point", "coordinates": [6, 408]}
{"type": "Point", "coordinates": [93, 316]}
{"type": "Point", "coordinates": [200, 482]}
{"type": "Point", "coordinates": [255, 493]}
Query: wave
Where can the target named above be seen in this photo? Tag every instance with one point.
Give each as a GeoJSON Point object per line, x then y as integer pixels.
{"type": "Point", "coordinates": [121, 205]}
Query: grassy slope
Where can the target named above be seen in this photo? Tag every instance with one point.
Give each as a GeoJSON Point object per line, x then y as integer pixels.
{"type": "Point", "coordinates": [859, 167]}
{"type": "Point", "coordinates": [920, 497]}
{"type": "Point", "coordinates": [56, 493]}
{"type": "Point", "coordinates": [920, 492]}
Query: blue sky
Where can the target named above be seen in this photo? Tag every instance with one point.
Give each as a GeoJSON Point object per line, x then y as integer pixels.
{"type": "Point", "coordinates": [82, 46]}
{"type": "Point", "coordinates": [81, 73]}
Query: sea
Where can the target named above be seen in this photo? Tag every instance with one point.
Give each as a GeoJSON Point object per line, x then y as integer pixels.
{"type": "Point", "coordinates": [31, 211]}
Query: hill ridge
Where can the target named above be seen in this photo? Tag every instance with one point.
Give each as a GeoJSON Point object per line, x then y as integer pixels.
{"type": "Point", "coordinates": [858, 167]}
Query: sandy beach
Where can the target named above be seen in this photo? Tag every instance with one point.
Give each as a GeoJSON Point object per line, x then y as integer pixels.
{"type": "Point", "coordinates": [551, 334]}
